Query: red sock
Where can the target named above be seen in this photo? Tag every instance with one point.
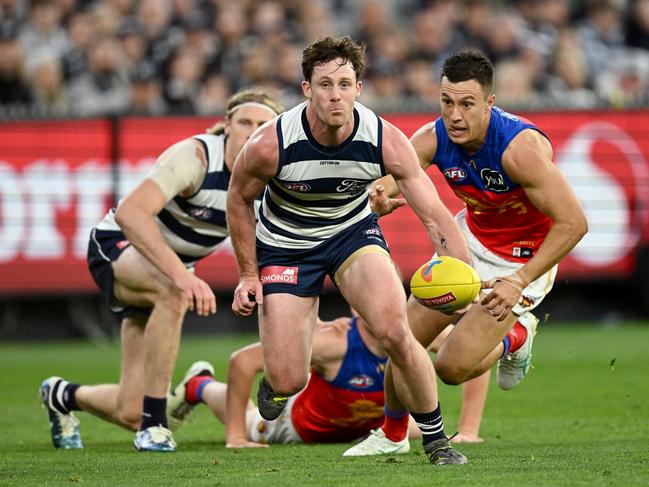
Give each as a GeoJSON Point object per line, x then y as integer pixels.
{"type": "Point", "coordinates": [395, 425]}
{"type": "Point", "coordinates": [517, 336]}
{"type": "Point", "coordinates": [194, 388]}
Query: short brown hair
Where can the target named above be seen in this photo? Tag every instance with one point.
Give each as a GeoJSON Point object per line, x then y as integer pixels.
{"type": "Point", "coordinates": [469, 64]}
{"type": "Point", "coordinates": [250, 95]}
{"type": "Point", "coordinates": [328, 48]}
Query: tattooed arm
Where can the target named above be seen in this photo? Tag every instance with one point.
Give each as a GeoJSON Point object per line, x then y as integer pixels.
{"type": "Point", "coordinates": [401, 162]}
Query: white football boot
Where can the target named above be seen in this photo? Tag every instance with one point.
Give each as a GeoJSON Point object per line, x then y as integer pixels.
{"type": "Point", "coordinates": [513, 367]}
{"type": "Point", "coordinates": [63, 427]}
{"type": "Point", "coordinates": [178, 409]}
{"type": "Point", "coordinates": [155, 439]}
{"type": "Point", "coordinates": [376, 443]}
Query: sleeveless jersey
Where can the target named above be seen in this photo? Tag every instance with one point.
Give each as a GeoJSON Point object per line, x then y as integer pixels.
{"type": "Point", "coordinates": [499, 213]}
{"type": "Point", "coordinates": [349, 406]}
{"type": "Point", "coordinates": [319, 191]}
{"type": "Point", "coordinates": [194, 226]}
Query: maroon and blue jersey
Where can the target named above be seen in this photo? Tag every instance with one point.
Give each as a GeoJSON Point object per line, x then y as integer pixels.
{"type": "Point", "coordinates": [499, 213]}
{"type": "Point", "coordinates": [347, 407]}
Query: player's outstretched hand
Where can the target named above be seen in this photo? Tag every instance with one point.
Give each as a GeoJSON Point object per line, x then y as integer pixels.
{"type": "Point", "coordinates": [199, 294]}
{"type": "Point", "coordinates": [466, 438]}
{"type": "Point", "coordinates": [247, 294]}
{"type": "Point", "coordinates": [381, 203]}
{"type": "Point", "coordinates": [505, 294]}
{"type": "Point", "coordinates": [244, 443]}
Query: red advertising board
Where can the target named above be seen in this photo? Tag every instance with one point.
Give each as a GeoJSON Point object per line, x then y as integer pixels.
{"type": "Point", "coordinates": [57, 179]}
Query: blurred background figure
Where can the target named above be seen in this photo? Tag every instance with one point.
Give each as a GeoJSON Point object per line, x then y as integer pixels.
{"type": "Point", "coordinates": [13, 89]}
{"type": "Point", "coordinates": [104, 88]}
{"type": "Point", "coordinates": [146, 91]}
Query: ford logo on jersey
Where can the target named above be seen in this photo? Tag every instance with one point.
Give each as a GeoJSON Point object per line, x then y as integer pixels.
{"type": "Point", "coordinates": [201, 213]}
{"type": "Point", "coordinates": [361, 381]}
{"type": "Point", "coordinates": [455, 174]}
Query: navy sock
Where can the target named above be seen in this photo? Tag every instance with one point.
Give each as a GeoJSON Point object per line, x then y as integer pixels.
{"type": "Point", "coordinates": [63, 398]}
{"type": "Point", "coordinates": [430, 424]}
{"type": "Point", "coordinates": [154, 412]}
{"type": "Point", "coordinates": [69, 401]}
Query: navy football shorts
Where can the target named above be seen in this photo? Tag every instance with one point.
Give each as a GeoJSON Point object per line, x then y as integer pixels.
{"type": "Point", "coordinates": [302, 272]}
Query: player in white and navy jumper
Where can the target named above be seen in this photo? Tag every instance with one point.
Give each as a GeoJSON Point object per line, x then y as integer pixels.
{"type": "Point", "coordinates": [317, 162]}
{"type": "Point", "coordinates": [142, 255]}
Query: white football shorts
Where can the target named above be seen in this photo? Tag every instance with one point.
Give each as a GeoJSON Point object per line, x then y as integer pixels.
{"type": "Point", "coordinates": [489, 265]}
{"type": "Point", "coordinates": [278, 431]}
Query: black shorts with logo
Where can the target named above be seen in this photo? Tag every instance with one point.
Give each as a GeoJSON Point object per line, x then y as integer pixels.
{"type": "Point", "coordinates": [302, 272]}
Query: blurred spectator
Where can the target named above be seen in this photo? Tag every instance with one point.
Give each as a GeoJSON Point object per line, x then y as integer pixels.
{"type": "Point", "coordinates": [46, 77]}
{"type": "Point", "coordinates": [134, 44]}
{"type": "Point", "coordinates": [258, 67]}
{"type": "Point", "coordinates": [12, 14]}
{"type": "Point", "coordinates": [288, 74]}
{"type": "Point", "coordinates": [104, 88]}
{"type": "Point", "coordinates": [433, 38]}
{"type": "Point", "coordinates": [513, 83]}
{"type": "Point", "coordinates": [199, 36]}
{"type": "Point", "coordinates": [231, 26]}
{"type": "Point", "coordinates": [43, 32]}
{"type": "Point", "coordinates": [386, 85]}
{"type": "Point", "coordinates": [13, 89]}
{"type": "Point", "coordinates": [568, 80]}
{"type": "Point", "coordinates": [601, 36]}
{"type": "Point", "coordinates": [502, 43]}
{"type": "Point", "coordinates": [146, 91]}
{"type": "Point", "coordinates": [214, 95]}
{"type": "Point", "coordinates": [475, 24]}
{"type": "Point", "coordinates": [81, 35]}
{"type": "Point", "coordinates": [186, 70]}
{"type": "Point", "coordinates": [270, 25]}
{"type": "Point", "coordinates": [421, 83]}
{"type": "Point", "coordinates": [638, 24]}
{"type": "Point", "coordinates": [155, 17]}
{"type": "Point", "coordinates": [626, 82]}
{"type": "Point", "coordinates": [105, 19]}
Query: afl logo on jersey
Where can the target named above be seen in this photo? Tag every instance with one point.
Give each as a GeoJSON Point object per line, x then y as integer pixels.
{"type": "Point", "coordinates": [493, 180]}
{"type": "Point", "coordinates": [455, 174]}
{"type": "Point", "coordinates": [301, 187]}
{"type": "Point", "coordinates": [361, 381]}
{"type": "Point", "coordinates": [201, 213]}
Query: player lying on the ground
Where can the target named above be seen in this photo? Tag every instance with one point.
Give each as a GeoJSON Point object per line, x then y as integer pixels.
{"type": "Point", "coordinates": [347, 368]}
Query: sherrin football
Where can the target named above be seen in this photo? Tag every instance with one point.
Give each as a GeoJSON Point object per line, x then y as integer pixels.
{"type": "Point", "coordinates": [445, 284]}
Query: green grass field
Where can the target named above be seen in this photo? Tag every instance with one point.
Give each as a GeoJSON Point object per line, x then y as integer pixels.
{"type": "Point", "coordinates": [580, 418]}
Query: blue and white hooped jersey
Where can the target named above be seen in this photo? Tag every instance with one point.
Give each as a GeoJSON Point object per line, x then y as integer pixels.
{"type": "Point", "coordinates": [194, 226]}
{"type": "Point", "coordinates": [319, 190]}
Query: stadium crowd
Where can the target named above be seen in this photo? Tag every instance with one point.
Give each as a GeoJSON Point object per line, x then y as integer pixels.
{"type": "Point", "coordinates": [154, 57]}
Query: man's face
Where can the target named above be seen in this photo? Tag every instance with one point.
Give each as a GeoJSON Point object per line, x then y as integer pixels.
{"type": "Point", "coordinates": [332, 90]}
{"type": "Point", "coordinates": [242, 124]}
{"type": "Point", "coordinates": [465, 111]}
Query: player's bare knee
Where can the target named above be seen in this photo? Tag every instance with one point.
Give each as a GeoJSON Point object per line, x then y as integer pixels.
{"type": "Point", "coordinates": [449, 372]}
{"type": "Point", "coordinates": [393, 339]}
{"type": "Point", "coordinates": [286, 382]}
{"type": "Point", "coordinates": [174, 299]}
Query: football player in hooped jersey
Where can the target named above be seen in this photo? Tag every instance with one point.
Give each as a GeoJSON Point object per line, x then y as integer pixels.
{"type": "Point", "coordinates": [316, 162]}
{"type": "Point", "coordinates": [142, 257]}
{"type": "Point", "coordinates": [342, 401]}
{"type": "Point", "coordinates": [521, 218]}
